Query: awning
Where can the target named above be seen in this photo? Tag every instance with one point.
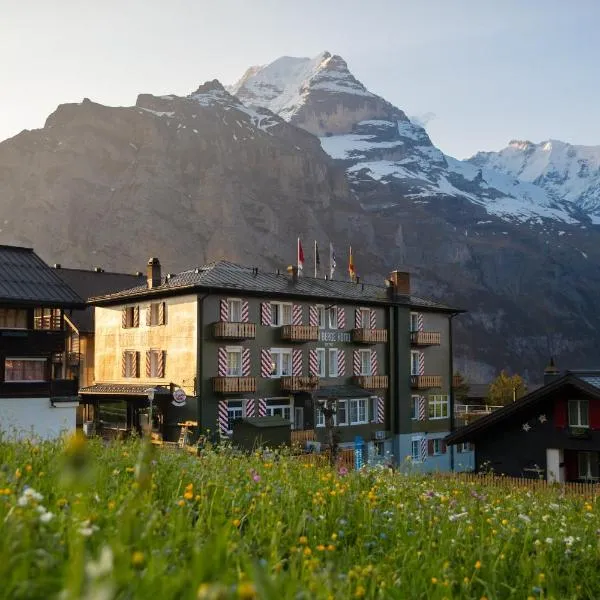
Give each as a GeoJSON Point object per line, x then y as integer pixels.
{"type": "Point", "coordinates": [342, 391]}
{"type": "Point", "coordinates": [123, 389]}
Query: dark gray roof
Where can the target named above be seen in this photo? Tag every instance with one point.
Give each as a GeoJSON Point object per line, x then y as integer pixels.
{"type": "Point", "coordinates": [26, 279]}
{"type": "Point", "coordinates": [94, 283]}
{"type": "Point", "coordinates": [342, 391]}
{"type": "Point", "coordinates": [226, 275]}
{"type": "Point", "coordinates": [122, 389]}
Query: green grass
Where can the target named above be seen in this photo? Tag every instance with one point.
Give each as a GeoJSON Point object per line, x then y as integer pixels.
{"type": "Point", "coordinates": [130, 521]}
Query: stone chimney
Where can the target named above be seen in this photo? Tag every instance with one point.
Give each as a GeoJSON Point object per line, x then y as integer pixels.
{"type": "Point", "coordinates": [400, 281]}
{"type": "Point", "coordinates": [551, 372]}
{"type": "Point", "coordinates": [153, 273]}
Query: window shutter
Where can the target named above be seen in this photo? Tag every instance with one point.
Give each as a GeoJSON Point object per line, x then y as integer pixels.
{"type": "Point", "coordinates": [149, 315]}
{"type": "Point", "coordinates": [356, 362]}
{"type": "Point", "coordinates": [341, 359]}
{"type": "Point", "coordinates": [420, 322]}
{"type": "Point", "coordinates": [422, 408]}
{"type": "Point", "coordinates": [594, 413]}
{"type": "Point", "coordinates": [162, 361]}
{"type": "Point", "coordinates": [265, 365]}
{"type": "Point", "coordinates": [430, 447]}
{"type": "Point", "coordinates": [223, 417]}
{"type": "Point", "coordinates": [297, 362]}
{"type": "Point", "coordinates": [560, 413]}
{"type": "Point", "coordinates": [123, 364]}
{"type": "Point", "coordinates": [136, 316]}
{"type": "Point", "coordinates": [357, 318]}
{"type": "Point", "coordinates": [265, 314]}
{"type": "Point", "coordinates": [297, 314]}
{"type": "Point", "coordinates": [313, 363]}
{"type": "Point", "coordinates": [124, 318]}
{"type": "Point", "coordinates": [374, 362]}
{"type": "Point", "coordinates": [148, 363]}
{"type": "Point", "coordinates": [162, 313]}
{"type": "Point", "coordinates": [341, 317]}
{"type": "Point", "coordinates": [262, 407]}
{"type": "Point", "coordinates": [246, 362]}
{"type": "Point", "coordinates": [224, 310]}
{"type": "Point", "coordinates": [421, 363]}
{"type": "Point", "coordinates": [571, 467]}
{"type": "Point", "coordinates": [313, 316]}
{"type": "Point", "coordinates": [373, 319]}
{"type": "Point", "coordinates": [245, 311]}
{"type": "Point", "coordinates": [137, 363]}
{"type": "Point", "coordinates": [222, 362]}
{"type": "Point", "coordinates": [380, 410]}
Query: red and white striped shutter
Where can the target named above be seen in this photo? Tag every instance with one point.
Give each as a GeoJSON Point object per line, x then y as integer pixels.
{"type": "Point", "coordinates": [148, 363]}
{"type": "Point", "coordinates": [162, 313]}
{"type": "Point", "coordinates": [246, 362]}
{"type": "Point", "coordinates": [380, 410]}
{"type": "Point", "coordinates": [137, 364]}
{"type": "Point", "coordinates": [422, 408]}
{"type": "Point", "coordinates": [250, 407]}
{"type": "Point", "coordinates": [296, 314]}
{"type": "Point", "coordinates": [265, 313]}
{"type": "Point", "coordinates": [357, 318]}
{"type": "Point", "coordinates": [149, 314]}
{"type": "Point", "coordinates": [123, 364]}
{"type": "Point", "coordinates": [421, 363]}
{"type": "Point", "coordinates": [297, 362]}
{"type": "Point", "coordinates": [223, 417]}
{"type": "Point", "coordinates": [123, 318]}
{"type": "Point", "coordinates": [373, 319]}
{"type": "Point", "coordinates": [374, 362]}
{"type": "Point", "coordinates": [313, 316]}
{"type": "Point", "coordinates": [341, 363]}
{"type": "Point", "coordinates": [356, 362]}
{"type": "Point", "coordinates": [223, 310]}
{"type": "Point", "coordinates": [341, 317]}
{"type": "Point", "coordinates": [222, 362]}
{"type": "Point", "coordinates": [423, 449]}
{"type": "Point", "coordinates": [262, 407]}
{"type": "Point", "coordinates": [420, 322]}
{"type": "Point", "coordinates": [136, 316]}
{"type": "Point", "coordinates": [245, 311]}
{"type": "Point", "coordinates": [265, 363]}
{"type": "Point", "coordinates": [313, 363]}
{"type": "Point", "coordinates": [162, 361]}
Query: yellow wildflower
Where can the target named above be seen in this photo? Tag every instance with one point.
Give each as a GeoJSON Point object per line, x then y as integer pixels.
{"type": "Point", "coordinates": [246, 591]}
{"type": "Point", "coordinates": [111, 505]}
{"type": "Point", "coordinates": [236, 522]}
{"type": "Point", "coordinates": [541, 577]}
{"type": "Point", "coordinates": [28, 468]}
{"type": "Point", "coordinates": [307, 551]}
{"type": "Point", "coordinates": [18, 474]}
{"type": "Point", "coordinates": [181, 503]}
{"type": "Point", "coordinates": [331, 547]}
{"type": "Point", "coordinates": [188, 495]}
{"type": "Point", "coordinates": [334, 536]}
{"type": "Point", "coordinates": [478, 564]}
{"type": "Point", "coordinates": [434, 580]}
{"type": "Point", "coordinates": [137, 558]}
{"type": "Point", "coordinates": [321, 548]}
{"type": "Point", "coordinates": [360, 592]}
{"type": "Point", "coordinates": [303, 540]}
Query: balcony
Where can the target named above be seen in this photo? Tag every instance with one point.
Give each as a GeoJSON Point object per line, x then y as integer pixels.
{"type": "Point", "coordinates": [299, 384]}
{"type": "Point", "coordinates": [300, 333]}
{"type": "Point", "coordinates": [372, 382]}
{"type": "Point", "coordinates": [224, 330]}
{"type": "Point", "coordinates": [234, 385]}
{"type": "Point", "coordinates": [369, 336]}
{"type": "Point", "coordinates": [425, 338]}
{"type": "Point", "coordinates": [424, 382]}
{"type": "Point", "coordinates": [28, 341]}
{"type": "Point", "coordinates": [39, 389]}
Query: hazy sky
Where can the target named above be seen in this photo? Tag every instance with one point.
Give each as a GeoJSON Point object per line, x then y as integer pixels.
{"type": "Point", "coordinates": [488, 71]}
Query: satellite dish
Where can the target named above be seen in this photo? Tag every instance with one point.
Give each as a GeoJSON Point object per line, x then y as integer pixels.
{"type": "Point", "coordinates": [179, 398]}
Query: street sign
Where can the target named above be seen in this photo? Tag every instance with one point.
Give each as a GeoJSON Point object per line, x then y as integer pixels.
{"type": "Point", "coordinates": [179, 398]}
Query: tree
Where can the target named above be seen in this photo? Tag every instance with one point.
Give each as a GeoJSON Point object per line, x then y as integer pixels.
{"type": "Point", "coordinates": [506, 389]}
{"type": "Point", "coordinates": [461, 388]}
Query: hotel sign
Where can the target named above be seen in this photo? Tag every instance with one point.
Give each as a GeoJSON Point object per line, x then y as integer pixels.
{"type": "Point", "coordinates": [334, 336]}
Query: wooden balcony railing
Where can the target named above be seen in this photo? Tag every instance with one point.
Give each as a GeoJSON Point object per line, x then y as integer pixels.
{"type": "Point", "coordinates": [39, 389]}
{"type": "Point", "coordinates": [370, 336]}
{"type": "Point", "coordinates": [424, 382]}
{"type": "Point", "coordinates": [224, 330]}
{"type": "Point", "coordinates": [299, 384]}
{"type": "Point", "coordinates": [234, 385]}
{"type": "Point", "coordinates": [300, 333]}
{"type": "Point", "coordinates": [372, 382]}
{"type": "Point", "coordinates": [425, 338]}
{"type": "Point", "coordinates": [300, 436]}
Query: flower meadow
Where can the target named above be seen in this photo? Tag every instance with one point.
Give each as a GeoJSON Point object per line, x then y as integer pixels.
{"type": "Point", "coordinates": [86, 519]}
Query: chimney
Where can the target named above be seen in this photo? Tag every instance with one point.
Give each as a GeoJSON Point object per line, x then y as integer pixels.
{"type": "Point", "coordinates": [98, 270]}
{"type": "Point", "coordinates": [400, 281]}
{"type": "Point", "coordinates": [153, 273]}
{"type": "Point", "coordinates": [293, 271]}
{"type": "Point", "coordinates": [551, 372]}
{"type": "Point", "coordinates": [57, 265]}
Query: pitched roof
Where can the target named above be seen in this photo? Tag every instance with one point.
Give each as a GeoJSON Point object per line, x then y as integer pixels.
{"type": "Point", "coordinates": [26, 279]}
{"type": "Point", "coordinates": [225, 275]}
{"type": "Point", "coordinates": [587, 382]}
{"type": "Point", "coordinates": [88, 283]}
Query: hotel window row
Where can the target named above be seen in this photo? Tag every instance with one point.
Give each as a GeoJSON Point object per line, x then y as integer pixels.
{"type": "Point", "coordinates": [154, 365]}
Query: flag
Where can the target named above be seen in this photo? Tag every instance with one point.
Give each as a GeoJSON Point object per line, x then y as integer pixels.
{"type": "Point", "coordinates": [351, 270]}
{"type": "Point", "coordinates": [317, 259]}
{"type": "Point", "coordinates": [332, 264]}
{"type": "Point", "coordinates": [300, 257]}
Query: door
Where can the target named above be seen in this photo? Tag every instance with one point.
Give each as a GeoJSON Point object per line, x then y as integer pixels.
{"type": "Point", "coordinates": [299, 417]}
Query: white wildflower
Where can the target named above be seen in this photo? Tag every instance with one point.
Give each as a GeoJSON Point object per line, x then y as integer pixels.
{"type": "Point", "coordinates": [569, 540]}
{"type": "Point", "coordinates": [549, 540]}
{"type": "Point", "coordinates": [101, 567]}
{"type": "Point", "coordinates": [525, 518]}
{"type": "Point", "coordinates": [545, 518]}
{"type": "Point", "coordinates": [28, 495]}
{"type": "Point", "coordinates": [554, 506]}
{"type": "Point", "coordinates": [46, 517]}
{"type": "Point", "coordinates": [87, 529]}
{"type": "Point", "coordinates": [457, 516]}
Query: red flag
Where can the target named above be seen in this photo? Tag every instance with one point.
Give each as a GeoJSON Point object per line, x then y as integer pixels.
{"type": "Point", "coordinates": [300, 257]}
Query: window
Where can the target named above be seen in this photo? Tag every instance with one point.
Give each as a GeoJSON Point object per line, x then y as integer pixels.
{"type": "Point", "coordinates": [437, 447]}
{"type": "Point", "coordinates": [415, 449]}
{"type": "Point", "coordinates": [156, 364]}
{"type": "Point", "coordinates": [46, 318]}
{"type": "Point", "coordinates": [281, 362]}
{"type": "Point", "coordinates": [333, 362]}
{"type": "Point", "coordinates": [321, 315]}
{"type": "Point", "coordinates": [415, 401]}
{"type": "Point", "coordinates": [438, 407]}
{"type": "Point", "coordinates": [414, 362]}
{"type": "Point", "coordinates": [235, 410]}
{"type": "Point", "coordinates": [587, 464]}
{"type": "Point", "coordinates": [464, 447]}
{"type": "Point", "coordinates": [365, 362]}
{"type": "Point", "coordinates": [131, 317]}
{"type": "Point", "coordinates": [281, 314]}
{"type": "Point", "coordinates": [358, 411]}
{"type": "Point", "coordinates": [333, 317]}
{"type": "Point", "coordinates": [578, 413]}
{"type": "Point", "coordinates": [235, 310]}
{"type": "Point", "coordinates": [157, 314]}
{"type": "Point", "coordinates": [414, 322]}
{"type": "Point", "coordinates": [234, 362]}
{"type": "Point", "coordinates": [130, 364]}
{"type": "Point", "coordinates": [321, 362]}
{"type": "Point", "coordinates": [365, 318]}
{"type": "Point", "coordinates": [342, 413]}
{"type": "Point", "coordinates": [320, 421]}
{"type": "Point", "coordinates": [279, 407]}
{"type": "Point", "coordinates": [13, 318]}
{"type": "Point", "coordinates": [25, 369]}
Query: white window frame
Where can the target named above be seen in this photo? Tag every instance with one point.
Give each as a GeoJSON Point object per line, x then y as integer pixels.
{"type": "Point", "coordinates": [235, 412]}
{"type": "Point", "coordinates": [231, 303]}
{"type": "Point", "coordinates": [466, 447]}
{"type": "Point", "coordinates": [285, 405]}
{"type": "Point", "coordinates": [365, 353]}
{"type": "Point", "coordinates": [414, 321]}
{"type": "Point", "coordinates": [277, 362]}
{"type": "Point", "coordinates": [437, 447]}
{"type": "Point", "coordinates": [416, 458]}
{"type": "Point", "coordinates": [332, 359]}
{"type": "Point", "coordinates": [414, 366]}
{"type": "Point", "coordinates": [436, 405]}
{"type": "Point", "coordinates": [332, 315]}
{"type": "Point", "coordinates": [338, 422]}
{"type": "Point", "coordinates": [321, 354]}
{"type": "Point", "coordinates": [231, 351]}
{"type": "Point", "coordinates": [319, 416]}
{"type": "Point", "coordinates": [588, 476]}
{"type": "Point", "coordinates": [580, 413]}
{"type": "Point", "coordinates": [415, 402]}
{"type": "Point", "coordinates": [277, 319]}
{"type": "Point", "coordinates": [25, 359]}
{"type": "Point", "coordinates": [355, 404]}
{"type": "Point", "coordinates": [321, 316]}
{"type": "Point", "coordinates": [365, 318]}
{"type": "Point", "coordinates": [16, 312]}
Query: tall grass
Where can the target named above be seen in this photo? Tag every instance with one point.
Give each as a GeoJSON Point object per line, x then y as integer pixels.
{"type": "Point", "coordinates": [86, 519]}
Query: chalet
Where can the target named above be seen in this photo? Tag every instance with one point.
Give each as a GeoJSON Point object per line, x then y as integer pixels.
{"type": "Point", "coordinates": [552, 432]}
{"type": "Point", "coordinates": [37, 399]}
{"type": "Point", "coordinates": [224, 341]}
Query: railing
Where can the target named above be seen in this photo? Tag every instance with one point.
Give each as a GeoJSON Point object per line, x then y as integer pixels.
{"type": "Point", "coordinates": [423, 382]}
{"type": "Point", "coordinates": [369, 336]}
{"type": "Point", "coordinates": [474, 409]}
{"type": "Point", "coordinates": [234, 385]}
{"type": "Point", "coordinates": [345, 458]}
{"type": "Point", "coordinates": [39, 389]}
{"type": "Point", "coordinates": [234, 331]}
{"type": "Point", "coordinates": [425, 338]}
{"type": "Point", "coordinates": [299, 436]}
{"type": "Point", "coordinates": [299, 384]}
{"type": "Point", "coordinates": [372, 382]}
{"type": "Point", "coordinates": [300, 333]}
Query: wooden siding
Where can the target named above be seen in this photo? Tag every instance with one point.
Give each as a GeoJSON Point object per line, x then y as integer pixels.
{"type": "Point", "coordinates": [300, 333]}
{"type": "Point", "coordinates": [224, 330]}
{"type": "Point", "coordinates": [299, 384]}
{"type": "Point", "coordinates": [426, 338]}
{"type": "Point", "coordinates": [372, 382]}
{"type": "Point", "coordinates": [424, 382]}
{"type": "Point", "coordinates": [363, 335]}
{"type": "Point", "coordinates": [233, 385]}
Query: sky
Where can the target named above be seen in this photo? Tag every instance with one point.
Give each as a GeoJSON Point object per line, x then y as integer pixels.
{"type": "Point", "coordinates": [480, 72]}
